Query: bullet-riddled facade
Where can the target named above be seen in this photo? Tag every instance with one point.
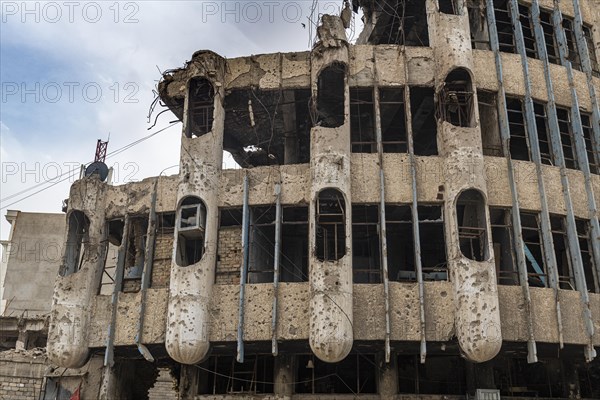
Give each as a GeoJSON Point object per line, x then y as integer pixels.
{"type": "Point", "coordinates": [414, 214]}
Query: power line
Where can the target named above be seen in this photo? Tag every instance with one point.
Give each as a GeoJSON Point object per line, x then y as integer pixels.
{"type": "Point", "coordinates": [73, 172]}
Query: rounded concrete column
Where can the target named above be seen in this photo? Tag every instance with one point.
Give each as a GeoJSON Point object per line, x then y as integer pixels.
{"type": "Point", "coordinates": [331, 313]}
{"type": "Point", "coordinates": [79, 274]}
{"type": "Point", "coordinates": [188, 320]}
{"type": "Point", "coordinates": [477, 315]}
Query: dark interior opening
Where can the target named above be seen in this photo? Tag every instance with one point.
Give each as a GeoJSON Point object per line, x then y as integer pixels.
{"type": "Point", "coordinates": [293, 265]}
{"type": "Point", "coordinates": [480, 37]}
{"type": "Point", "coordinates": [135, 255]}
{"type": "Point", "coordinates": [528, 32]}
{"type": "Point", "coordinates": [200, 107]}
{"type": "Point", "coordinates": [261, 243]}
{"type": "Point", "coordinates": [534, 252]}
{"type": "Point", "coordinates": [456, 99]}
{"type": "Point", "coordinates": [400, 22]}
{"type": "Point", "coordinates": [449, 7]}
{"type": "Point", "coordinates": [77, 238]}
{"type": "Point", "coordinates": [584, 234]}
{"type": "Point", "coordinates": [356, 374]}
{"type": "Point", "coordinates": [331, 96]}
{"type": "Point", "coordinates": [541, 123]}
{"type": "Point", "coordinates": [331, 225]}
{"type": "Point", "coordinates": [441, 374]}
{"type": "Point", "coordinates": [366, 244]}
{"type": "Point", "coordinates": [504, 251]}
{"type": "Point", "coordinates": [424, 124]}
{"type": "Point", "coordinates": [362, 121]}
{"type": "Point", "coordinates": [191, 231]}
{"type": "Point", "coordinates": [488, 121]}
{"type": "Point", "coordinates": [519, 143]}
{"type": "Point", "coordinates": [561, 252]}
{"type": "Point", "coordinates": [566, 137]}
{"type": "Point", "coordinates": [591, 147]}
{"type": "Point", "coordinates": [506, 35]}
{"type": "Point", "coordinates": [222, 374]}
{"type": "Point", "coordinates": [472, 225]}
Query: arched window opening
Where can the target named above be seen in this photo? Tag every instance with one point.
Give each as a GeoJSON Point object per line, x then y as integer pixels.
{"type": "Point", "coordinates": [331, 225]}
{"type": "Point", "coordinates": [77, 238]}
{"type": "Point", "coordinates": [191, 224]}
{"type": "Point", "coordinates": [472, 225]}
{"type": "Point", "coordinates": [200, 107]}
{"type": "Point", "coordinates": [450, 6]}
{"type": "Point", "coordinates": [331, 96]}
{"type": "Point", "coordinates": [456, 99]}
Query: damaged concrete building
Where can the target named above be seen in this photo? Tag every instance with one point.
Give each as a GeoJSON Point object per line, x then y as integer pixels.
{"type": "Point", "coordinates": [415, 216]}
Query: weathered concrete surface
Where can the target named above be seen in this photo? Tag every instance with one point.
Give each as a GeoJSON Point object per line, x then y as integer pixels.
{"type": "Point", "coordinates": [32, 256]}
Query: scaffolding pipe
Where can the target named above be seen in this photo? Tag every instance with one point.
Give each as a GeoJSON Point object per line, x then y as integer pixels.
{"type": "Point", "coordinates": [382, 219]}
{"type": "Point", "coordinates": [516, 216]}
{"type": "Point", "coordinates": [276, 258]}
{"type": "Point", "coordinates": [243, 271]}
{"type": "Point", "coordinates": [110, 339]}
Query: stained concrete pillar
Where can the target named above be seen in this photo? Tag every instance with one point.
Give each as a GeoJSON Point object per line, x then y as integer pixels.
{"type": "Point", "coordinates": [284, 376]}
{"type": "Point", "coordinates": [188, 319]}
{"type": "Point", "coordinates": [477, 315]}
{"type": "Point", "coordinates": [188, 382]}
{"type": "Point", "coordinates": [388, 377]}
{"type": "Point", "coordinates": [331, 313]}
{"type": "Point", "coordinates": [78, 280]}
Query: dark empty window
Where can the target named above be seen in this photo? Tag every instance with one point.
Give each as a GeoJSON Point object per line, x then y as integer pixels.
{"type": "Point", "coordinates": [527, 28]}
{"type": "Point", "coordinates": [331, 223]}
{"type": "Point", "coordinates": [331, 95]}
{"type": "Point", "coordinates": [261, 244]}
{"type": "Point", "coordinates": [393, 120]}
{"type": "Point", "coordinates": [78, 238]}
{"type": "Point", "coordinates": [400, 243]}
{"type": "Point", "coordinates": [115, 229]}
{"type": "Point", "coordinates": [456, 99]}
{"type": "Point", "coordinates": [566, 137]}
{"type": "Point", "coordinates": [549, 37]}
{"type": "Point", "coordinates": [480, 37]}
{"type": "Point", "coordinates": [488, 122]}
{"type": "Point", "coordinates": [293, 265]}
{"type": "Point", "coordinates": [589, 40]}
{"type": "Point", "coordinates": [441, 375]}
{"type": "Point", "coordinates": [424, 124]}
{"type": "Point", "coordinates": [356, 374]}
{"type": "Point", "coordinates": [584, 233]}
{"type": "Point", "coordinates": [222, 374]}
{"type": "Point", "coordinates": [573, 54]}
{"type": "Point", "coordinates": [362, 120]}
{"type": "Point", "coordinates": [561, 252]}
{"type": "Point", "coordinates": [541, 124]}
{"type": "Point", "coordinates": [472, 226]}
{"type": "Point", "coordinates": [200, 107]}
{"type": "Point", "coordinates": [191, 221]}
{"type": "Point", "coordinates": [519, 143]}
{"type": "Point", "coordinates": [366, 262]}
{"type": "Point", "coordinates": [449, 6]}
{"type": "Point", "coordinates": [506, 35]}
{"type": "Point", "coordinates": [504, 251]}
{"type": "Point", "coordinates": [135, 253]}
{"type": "Point", "coordinates": [591, 147]}
{"type": "Point", "coordinates": [401, 22]}
{"type": "Point", "coordinates": [534, 251]}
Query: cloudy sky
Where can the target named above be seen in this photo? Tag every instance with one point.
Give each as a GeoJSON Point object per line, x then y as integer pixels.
{"type": "Point", "coordinates": [75, 72]}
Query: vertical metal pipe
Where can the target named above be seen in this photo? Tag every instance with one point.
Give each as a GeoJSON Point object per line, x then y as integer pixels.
{"type": "Point", "coordinates": [110, 340]}
{"type": "Point", "coordinates": [516, 217]}
{"type": "Point", "coordinates": [382, 227]}
{"type": "Point", "coordinates": [147, 273]}
{"type": "Point", "coordinates": [415, 210]}
{"type": "Point", "coordinates": [276, 258]}
{"type": "Point", "coordinates": [243, 271]}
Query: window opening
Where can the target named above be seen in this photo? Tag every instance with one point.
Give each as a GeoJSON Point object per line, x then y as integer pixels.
{"type": "Point", "coordinates": [584, 234]}
{"type": "Point", "coordinates": [534, 251]}
{"type": "Point", "coordinates": [541, 123]}
{"type": "Point", "coordinates": [222, 374]}
{"type": "Point", "coordinates": [504, 250]}
{"type": "Point", "coordinates": [527, 29]}
{"type": "Point", "coordinates": [331, 221]}
{"type": "Point", "coordinates": [366, 244]}
{"type": "Point", "coordinates": [424, 123]}
{"type": "Point", "coordinates": [472, 225]}
{"type": "Point", "coordinates": [519, 142]}
{"type": "Point", "coordinates": [506, 35]}
{"type": "Point", "coordinates": [200, 107]}
{"type": "Point", "coordinates": [331, 96]}
{"type": "Point", "coordinates": [77, 239]}
{"type": "Point", "coordinates": [456, 99]}
{"type": "Point", "coordinates": [356, 374]}
{"type": "Point", "coordinates": [591, 147]}
{"type": "Point", "coordinates": [566, 137]}
{"type": "Point", "coordinates": [191, 231]}
{"type": "Point", "coordinates": [393, 120]}
{"type": "Point", "coordinates": [480, 37]}
{"type": "Point", "coordinates": [441, 374]}
{"type": "Point", "coordinates": [561, 252]}
{"type": "Point", "coordinates": [362, 120]}
{"type": "Point", "coordinates": [488, 121]}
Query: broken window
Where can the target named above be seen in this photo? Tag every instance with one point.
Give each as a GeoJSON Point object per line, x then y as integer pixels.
{"type": "Point", "coordinates": [573, 54]}
{"type": "Point", "coordinates": [402, 22]}
{"type": "Point", "coordinates": [504, 250]}
{"type": "Point", "coordinates": [488, 121]}
{"type": "Point", "coordinates": [331, 95]}
{"type": "Point", "coordinates": [293, 265]}
{"type": "Point", "coordinates": [566, 137]}
{"type": "Point", "coordinates": [589, 40]}
{"type": "Point", "coordinates": [222, 374]}
{"type": "Point", "coordinates": [527, 29]}
{"type": "Point", "coordinates": [135, 253]}
{"type": "Point", "coordinates": [591, 147]}
{"type": "Point", "coordinates": [362, 121]}
{"type": "Point", "coordinates": [261, 244]}
{"type": "Point", "coordinates": [450, 6]}
{"type": "Point", "coordinates": [393, 120]}
{"type": "Point", "coordinates": [440, 375]}
{"type": "Point", "coordinates": [584, 233]}
{"type": "Point", "coordinates": [331, 225]}
{"type": "Point", "coordinates": [534, 251]}
{"type": "Point", "coordinates": [252, 116]}
{"type": "Point", "coordinates": [200, 107]}
{"type": "Point", "coordinates": [541, 124]}
{"type": "Point", "coordinates": [400, 243]}
{"type": "Point", "coordinates": [229, 249]}
{"type": "Point", "coordinates": [78, 237]}
{"type": "Point", "coordinates": [356, 374]}
{"type": "Point", "coordinates": [550, 39]}
{"type": "Point", "coordinates": [366, 262]}
{"type": "Point", "coordinates": [191, 220]}
{"type": "Point", "coordinates": [480, 37]}
{"type": "Point", "coordinates": [561, 252]}
{"type": "Point", "coordinates": [115, 230]}
{"type": "Point", "coordinates": [456, 99]}
{"type": "Point", "coordinates": [424, 124]}
{"type": "Point", "coordinates": [519, 142]}
{"type": "Point", "coordinates": [520, 379]}
{"type": "Point", "coordinates": [506, 34]}
{"type": "Point", "coordinates": [472, 225]}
